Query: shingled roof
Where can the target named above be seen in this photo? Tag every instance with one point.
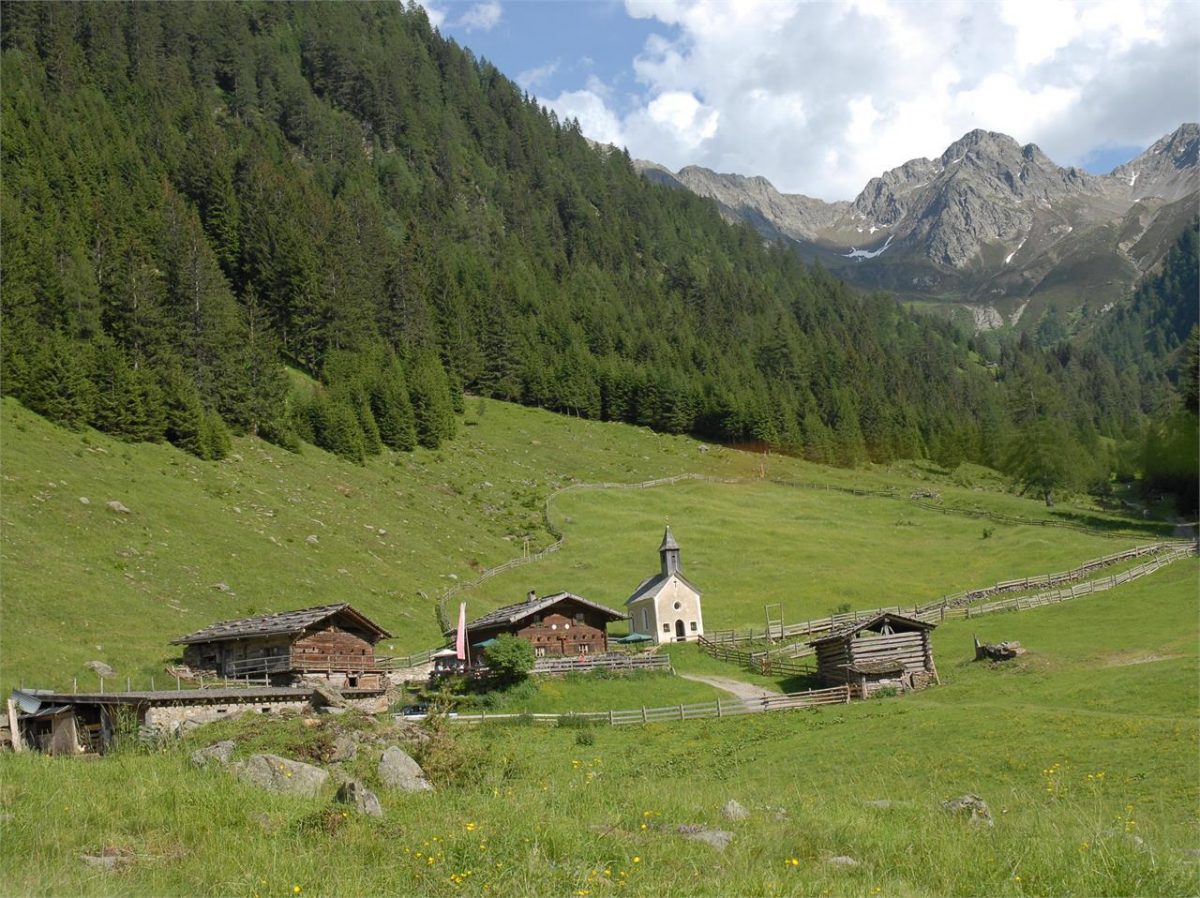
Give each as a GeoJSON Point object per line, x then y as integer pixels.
{"type": "Point", "coordinates": [510, 614]}
{"type": "Point", "coordinates": [871, 623]}
{"type": "Point", "coordinates": [285, 622]}
{"type": "Point", "coordinates": [651, 585]}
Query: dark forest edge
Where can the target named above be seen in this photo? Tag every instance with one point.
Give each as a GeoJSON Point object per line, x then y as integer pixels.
{"type": "Point", "coordinates": [196, 192]}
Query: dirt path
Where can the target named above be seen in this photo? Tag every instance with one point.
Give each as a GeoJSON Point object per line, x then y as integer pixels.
{"type": "Point", "coordinates": [733, 687]}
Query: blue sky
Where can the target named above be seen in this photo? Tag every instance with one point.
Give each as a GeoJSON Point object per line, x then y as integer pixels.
{"type": "Point", "coordinates": [821, 96]}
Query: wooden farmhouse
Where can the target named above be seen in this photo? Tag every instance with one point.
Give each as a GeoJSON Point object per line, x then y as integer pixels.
{"type": "Point", "coordinates": [561, 624]}
{"type": "Point", "coordinates": [666, 606]}
{"type": "Point", "coordinates": [888, 650]}
{"type": "Point", "coordinates": [332, 643]}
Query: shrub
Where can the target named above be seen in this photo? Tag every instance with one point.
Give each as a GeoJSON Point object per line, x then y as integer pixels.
{"type": "Point", "coordinates": [510, 658]}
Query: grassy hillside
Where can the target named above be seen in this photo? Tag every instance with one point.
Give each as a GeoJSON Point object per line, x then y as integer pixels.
{"type": "Point", "coordinates": [1084, 750]}
{"type": "Point", "coordinates": [266, 530]}
{"type": "Point", "coordinates": [746, 545]}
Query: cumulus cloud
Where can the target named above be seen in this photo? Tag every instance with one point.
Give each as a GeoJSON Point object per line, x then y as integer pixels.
{"type": "Point", "coordinates": [820, 97]}
{"type": "Point", "coordinates": [481, 16]}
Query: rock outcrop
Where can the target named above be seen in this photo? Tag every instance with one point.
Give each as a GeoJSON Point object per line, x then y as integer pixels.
{"type": "Point", "coordinates": [283, 775]}
{"type": "Point", "coordinates": [398, 771]}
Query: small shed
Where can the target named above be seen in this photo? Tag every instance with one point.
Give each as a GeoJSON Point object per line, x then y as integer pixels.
{"type": "Point", "coordinates": [335, 643]}
{"type": "Point", "coordinates": [887, 650]}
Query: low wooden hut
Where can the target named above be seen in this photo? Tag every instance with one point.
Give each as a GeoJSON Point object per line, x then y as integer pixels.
{"type": "Point", "coordinates": [888, 650]}
{"type": "Point", "coordinates": [334, 643]}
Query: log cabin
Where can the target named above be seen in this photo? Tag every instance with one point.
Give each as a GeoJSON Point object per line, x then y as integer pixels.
{"type": "Point", "coordinates": [331, 643]}
{"type": "Point", "coordinates": [887, 650]}
{"type": "Point", "coordinates": [559, 624]}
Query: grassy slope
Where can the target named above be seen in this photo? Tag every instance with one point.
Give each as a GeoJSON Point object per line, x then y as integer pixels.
{"type": "Point", "coordinates": [1109, 687]}
{"type": "Point", "coordinates": [747, 545]}
{"type": "Point", "coordinates": [80, 582]}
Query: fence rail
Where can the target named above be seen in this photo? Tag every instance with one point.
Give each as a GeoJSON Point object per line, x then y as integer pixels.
{"type": "Point", "coordinates": [837, 695]}
{"type": "Point", "coordinates": [605, 662]}
{"type": "Point", "coordinates": [918, 499]}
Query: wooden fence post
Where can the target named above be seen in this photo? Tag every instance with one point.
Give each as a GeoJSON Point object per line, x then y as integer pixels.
{"type": "Point", "coordinates": [610, 718]}
{"type": "Point", "coordinates": [718, 706]}
{"type": "Point", "coordinates": [681, 712]}
{"type": "Point", "coordinates": [643, 713]}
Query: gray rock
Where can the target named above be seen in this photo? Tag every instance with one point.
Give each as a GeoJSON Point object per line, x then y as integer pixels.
{"type": "Point", "coordinates": [222, 587]}
{"type": "Point", "coordinates": [325, 696]}
{"type": "Point", "coordinates": [398, 771]}
{"type": "Point", "coordinates": [221, 752]}
{"type": "Point", "coordinates": [101, 669]}
{"type": "Point", "coordinates": [877, 803]}
{"type": "Point", "coordinates": [363, 799]}
{"type": "Point", "coordinates": [312, 539]}
{"type": "Point", "coordinates": [733, 810]}
{"type": "Point", "coordinates": [972, 805]}
{"type": "Point", "coordinates": [344, 749]}
{"type": "Point", "coordinates": [283, 775]}
{"type": "Point", "coordinates": [718, 839]}
{"type": "Point", "coordinates": [841, 860]}
{"type": "Point", "coordinates": [84, 500]}
{"type": "Point", "coordinates": [118, 507]}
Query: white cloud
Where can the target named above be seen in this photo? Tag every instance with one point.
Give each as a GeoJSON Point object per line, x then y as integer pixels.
{"type": "Point", "coordinates": [819, 97]}
{"type": "Point", "coordinates": [481, 17]}
{"type": "Point", "coordinates": [531, 78]}
{"type": "Point", "coordinates": [436, 16]}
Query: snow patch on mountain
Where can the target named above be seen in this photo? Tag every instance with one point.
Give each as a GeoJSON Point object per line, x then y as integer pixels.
{"type": "Point", "coordinates": [1009, 257]}
{"type": "Point", "coordinates": [861, 254]}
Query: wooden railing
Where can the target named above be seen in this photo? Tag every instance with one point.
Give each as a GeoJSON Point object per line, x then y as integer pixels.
{"type": "Point", "coordinates": [575, 664]}
{"type": "Point", "coordinates": [722, 707]}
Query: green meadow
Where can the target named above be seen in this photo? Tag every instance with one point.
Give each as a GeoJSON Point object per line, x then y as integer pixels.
{"type": "Point", "coordinates": [1084, 749]}
{"type": "Point", "coordinates": [268, 530]}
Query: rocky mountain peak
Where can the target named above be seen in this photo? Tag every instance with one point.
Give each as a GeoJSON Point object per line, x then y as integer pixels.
{"type": "Point", "coordinates": [1168, 169]}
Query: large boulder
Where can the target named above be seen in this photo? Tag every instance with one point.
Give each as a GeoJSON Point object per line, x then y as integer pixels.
{"type": "Point", "coordinates": [352, 792]}
{"type": "Point", "coordinates": [282, 775]}
{"type": "Point", "coordinates": [325, 696]}
{"type": "Point", "coordinates": [101, 669]}
{"type": "Point", "coordinates": [221, 752]}
{"type": "Point", "coordinates": [398, 771]}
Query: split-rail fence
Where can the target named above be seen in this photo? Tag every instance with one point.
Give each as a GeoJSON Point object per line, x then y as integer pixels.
{"type": "Point", "coordinates": [722, 707]}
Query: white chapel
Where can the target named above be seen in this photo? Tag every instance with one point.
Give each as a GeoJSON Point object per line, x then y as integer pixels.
{"type": "Point", "coordinates": [666, 606]}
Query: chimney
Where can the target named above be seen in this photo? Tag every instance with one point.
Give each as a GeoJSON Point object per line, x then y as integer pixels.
{"type": "Point", "coordinates": [532, 597]}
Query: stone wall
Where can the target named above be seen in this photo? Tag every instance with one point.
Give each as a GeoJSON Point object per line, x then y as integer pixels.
{"type": "Point", "coordinates": [170, 718]}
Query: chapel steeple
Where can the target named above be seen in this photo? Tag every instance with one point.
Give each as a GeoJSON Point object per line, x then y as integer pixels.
{"type": "Point", "coordinates": [669, 552]}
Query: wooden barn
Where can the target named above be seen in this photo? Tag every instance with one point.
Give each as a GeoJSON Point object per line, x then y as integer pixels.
{"type": "Point", "coordinates": [561, 624]}
{"type": "Point", "coordinates": [334, 643]}
{"type": "Point", "coordinates": [888, 650]}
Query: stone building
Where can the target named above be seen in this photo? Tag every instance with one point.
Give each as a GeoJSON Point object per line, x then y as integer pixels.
{"type": "Point", "coordinates": [666, 606]}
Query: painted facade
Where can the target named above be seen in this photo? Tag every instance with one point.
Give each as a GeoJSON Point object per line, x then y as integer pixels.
{"type": "Point", "coordinates": [666, 606]}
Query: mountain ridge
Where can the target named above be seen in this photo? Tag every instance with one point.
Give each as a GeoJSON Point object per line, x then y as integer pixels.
{"type": "Point", "coordinates": [988, 222]}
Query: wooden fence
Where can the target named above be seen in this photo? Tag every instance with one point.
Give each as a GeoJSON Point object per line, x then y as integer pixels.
{"type": "Point", "coordinates": [722, 707]}
{"type": "Point", "coordinates": [444, 617]}
{"type": "Point", "coordinates": [601, 662]}
{"type": "Point", "coordinates": [834, 621]}
{"type": "Point", "coordinates": [769, 662]}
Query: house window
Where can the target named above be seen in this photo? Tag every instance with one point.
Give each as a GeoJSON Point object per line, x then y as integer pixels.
{"type": "Point", "coordinates": [693, 626]}
{"type": "Point", "coordinates": [579, 616]}
{"type": "Point", "coordinates": [584, 648]}
{"type": "Point", "coordinates": [666, 628]}
{"type": "Point", "coordinates": [677, 606]}
{"type": "Point", "coordinates": [540, 651]}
